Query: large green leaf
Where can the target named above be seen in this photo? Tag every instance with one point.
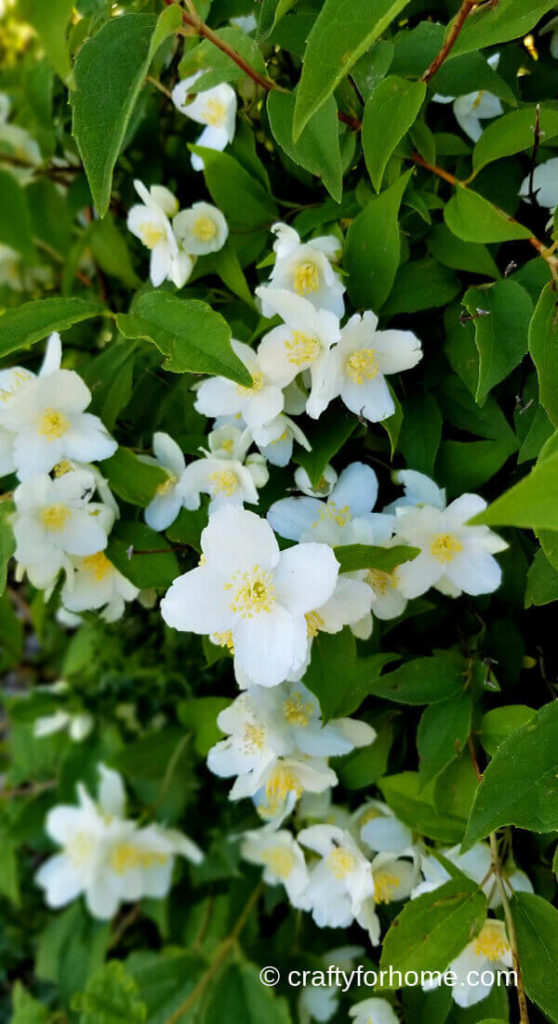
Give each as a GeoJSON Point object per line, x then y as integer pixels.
{"type": "Point", "coordinates": [192, 337]}
{"type": "Point", "coordinates": [33, 321]}
{"type": "Point", "coordinates": [374, 247]}
{"type": "Point", "coordinates": [342, 32]}
{"type": "Point", "coordinates": [475, 219]}
{"type": "Point", "coordinates": [536, 927]}
{"type": "Point", "coordinates": [543, 347]}
{"type": "Point", "coordinates": [317, 148]}
{"type": "Point", "coordinates": [389, 113]}
{"type": "Point", "coordinates": [109, 72]}
{"type": "Point", "coordinates": [501, 317]}
{"type": "Point", "coordinates": [520, 785]}
{"type": "Point", "coordinates": [532, 503]}
{"type": "Point", "coordinates": [513, 133]}
{"type": "Point", "coordinates": [431, 930]}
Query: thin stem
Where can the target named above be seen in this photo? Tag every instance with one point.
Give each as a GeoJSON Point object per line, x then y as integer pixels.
{"type": "Point", "coordinates": [159, 85]}
{"type": "Point", "coordinates": [467, 7]}
{"type": "Point", "coordinates": [220, 956]}
{"type": "Point", "coordinates": [510, 924]}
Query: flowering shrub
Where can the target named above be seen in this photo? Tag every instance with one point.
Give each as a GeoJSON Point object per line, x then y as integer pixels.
{"type": "Point", "coordinates": [279, 511]}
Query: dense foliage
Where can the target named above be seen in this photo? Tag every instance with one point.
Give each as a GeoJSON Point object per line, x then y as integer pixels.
{"type": "Point", "coordinates": [279, 511]}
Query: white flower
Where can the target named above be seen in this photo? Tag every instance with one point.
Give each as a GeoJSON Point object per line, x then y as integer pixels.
{"type": "Point", "coordinates": [469, 110]}
{"type": "Point", "coordinates": [373, 1011]}
{"type": "Point", "coordinates": [249, 589]}
{"type": "Point", "coordinates": [281, 857]}
{"type": "Point", "coordinates": [97, 583]}
{"type": "Point", "coordinates": [545, 184]}
{"type": "Point", "coordinates": [78, 725]}
{"type": "Point", "coordinates": [305, 269]}
{"type": "Point", "coordinates": [55, 519]}
{"type": "Point", "coordinates": [276, 438]}
{"type": "Point", "coordinates": [394, 878]}
{"type": "Point", "coordinates": [381, 831]}
{"type": "Point", "coordinates": [301, 343]}
{"type": "Point", "coordinates": [165, 506]}
{"type": "Point", "coordinates": [349, 605]}
{"type": "Point", "coordinates": [324, 486]}
{"type": "Point", "coordinates": [258, 404]}
{"type": "Point", "coordinates": [476, 864]}
{"type": "Point", "coordinates": [489, 953]}
{"type": "Point", "coordinates": [356, 368]}
{"type": "Point", "coordinates": [340, 881]}
{"type": "Point", "coordinates": [150, 223]}
{"type": "Point", "coordinates": [283, 782]}
{"type": "Point", "coordinates": [419, 490]}
{"type": "Point", "coordinates": [201, 229]}
{"type": "Point", "coordinates": [318, 1002]}
{"type": "Point", "coordinates": [222, 474]}
{"type": "Point", "coordinates": [454, 557]}
{"type": "Point", "coordinates": [47, 418]}
{"type": "Point", "coordinates": [345, 518]}
{"type": "Point", "coordinates": [215, 108]}
{"type": "Point", "coordinates": [106, 857]}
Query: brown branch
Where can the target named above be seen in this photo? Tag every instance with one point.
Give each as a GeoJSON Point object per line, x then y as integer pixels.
{"type": "Point", "coordinates": [467, 7]}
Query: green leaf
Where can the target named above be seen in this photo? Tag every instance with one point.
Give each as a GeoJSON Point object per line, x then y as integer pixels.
{"type": "Point", "coordinates": [271, 12]}
{"type": "Point", "coordinates": [424, 680]}
{"type": "Point", "coordinates": [15, 219]}
{"type": "Point", "coordinates": [520, 785]}
{"type": "Point", "coordinates": [326, 438]}
{"type": "Point", "coordinates": [389, 113]}
{"type": "Point", "coordinates": [27, 1010]}
{"type": "Point", "coordinates": [536, 927]}
{"type": "Point", "coordinates": [238, 994]}
{"type": "Point", "coordinates": [200, 715]}
{"type": "Point", "coordinates": [459, 255]}
{"type": "Point", "coordinates": [420, 284]}
{"type": "Point", "coordinates": [442, 734]}
{"type": "Point", "coordinates": [165, 979]}
{"type": "Point", "coordinates": [7, 541]}
{"type": "Point", "coordinates": [131, 479]}
{"type": "Point", "coordinates": [498, 724]}
{"type": "Point", "coordinates": [216, 66]}
{"type": "Point", "coordinates": [543, 347]}
{"type": "Point", "coordinates": [510, 19]}
{"type": "Point", "coordinates": [111, 252]}
{"type": "Point", "coordinates": [50, 22]}
{"type": "Point", "coordinates": [433, 929]}
{"type": "Point", "coordinates": [364, 767]}
{"type": "Point", "coordinates": [342, 32]}
{"type": "Point", "coordinates": [475, 219]}
{"type": "Point", "coordinates": [111, 997]}
{"type": "Point", "coordinates": [368, 556]}
{"type": "Point", "coordinates": [421, 432]}
{"type": "Point", "coordinates": [500, 330]}
{"type": "Point", "coordinates": [333, 659]}
{"type": "Point", "coordinates": [532, 503]}
{"type": "Point", "coordinates": [157, 567]}
{"type": "Point", "coordinates": [70, 948]}
{"type": "Point", "coordinates": [513, 133]}
{"type": "Point", "coordinates": [374, 246]}
{"type": "Point", "coordinates": [317, 148]}
{"type": "Point", "coordinates": [110, 70]}
{"type": "Point", "coordinates": [32, 322]}
{"type": "Point", "coordinates": [192, 337]}
{"type": "Point", "coordinates": [109, 376]}
{"type": "Point", "coordinates": [361, 677]}
{"type": "Point", "coordinates": [542, 582]}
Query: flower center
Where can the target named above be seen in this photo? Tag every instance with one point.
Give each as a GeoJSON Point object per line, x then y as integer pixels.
{"type": "Point", "coordinates": [362, 365]}
{"type": "Point", "coordinates": [296, 711]}
{"type": "Point", "coordinates": [224, 482]}
{"type": "Point", "coordinates": [80, 848]}
{"type": "Point", "coordinates": [53, 424]}
{"type": "Point", "coordinates": [280, 783]}
{"type": "Point", "coordinates": [478, 99]}
{"type": "Point", "coordinates": [53, 517]}
{"type": "Point", "coordinates": [223, 639]}
{"type": "Point", "coordinates": [214, 112]}
{"type": "Point", "coordinates": [254, 592]}
{"type": "Point", "coordinates": [280, 860]}
{"type": "Point", "coordinates": [228, 445]}
{"type": "Point", "coordinates": [167, 484]}
{"type": "Point", "coordinates": [257, 385]}
{"type": "Point", "coordinates": [341, 516]}
{"type": "Point", "coordinates": [491, 943]}
{"type": "Point", "coordinates": [254, 737]}
{"type": "Point", "coordinates": [125, 857]}
{"type": "Point", "coordinates": [204, 229]}
{"type": "Point", "coordinates": [381, 581]}
{"type": "Point", "coordinates": [61, 468]}
{"type": "Point", "coordinates": [444, 546]}
{"type": "Point", "coordinates": [314, 622]}
{"type": "Point", "coordinates": [302, 348]}
{"type": "Point", "coordinates": [98, 565]}
{"type": "Point", "coordinates": [151, 234]}
{"type": "Point", "coordinates": [385, 886]}
{"type": "Point", "coordinates": [341, 862]}
{"type": "Point", "coordinates": [306, 278]}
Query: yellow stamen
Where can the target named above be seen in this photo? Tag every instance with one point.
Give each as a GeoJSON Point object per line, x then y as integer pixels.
{"type": "Point", "coordinates": [204, 229]}
{"type": "Point", "coordinates": [341, 516]}
{"type": "Point", "coordinates": [280, 783]}
{"type": "Point", "coordinates": [381, 581]}
{"type": "Point", "coordinates": [254, 592]}
{"type": "Point", "coordinates": [61, 468]}
{"type": "Point", "coordinates": [228, 445]}
{"type": "Point", "coordinates": [444, 546]}
{"type": "Point", "coordinates": [151, 234]}
{"type": "Point", "coordinates": [491, 942]}
{"type": "Point", "coordinates": [296, 711]}
{"type": "Point", "coordinates": [257, 384]}
{"type": "Point", "coordinates": [53, 517]}
{"type": "Point", "coordinates": [314, 622]}
{"type": "Point", "coordinates": [362, 365]}
{"type": "Point", "coordinates": [341, 862]}
{"type": "Point", "coordinates": [125, 857]}
{"type": "Point", "coordinates": [214, 112]}
{"type": "Point", "coordinates": [224, 482]}
{"type": "Point", "coordinates": [385, 886]}
{"type": "Point", "coordinates": [53, 424]}
{"type": "Point", "coordinates": [302, 348]}
{"type": "Point", "coordinates": [254, 737]}
{"type": "Point", "coordinates": [280, 860]}
{"type": "Point", "coordinates": [306, 278]}
{"type": "Point", "coordinates": [223, 639]}
{"type": "Point", "coordinates": [167, 484]}
{"type": "Point", "coordinates": [98, 565]}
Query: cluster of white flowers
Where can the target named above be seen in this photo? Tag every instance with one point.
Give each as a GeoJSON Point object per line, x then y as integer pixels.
{"type": "Point", "coordinates": [105, 856]}
{"type": "Point", "coordinates": [175, 237]}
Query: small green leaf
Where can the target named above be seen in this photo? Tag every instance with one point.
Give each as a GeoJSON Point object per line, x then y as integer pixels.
{"type": "Point", "coordinates": [368, 556]}
{"type": "Point", "coordinates": [433, 929]}
{"type": "Point", "coordinates": [510, 19]}
{"type": "Point", "coordinates": [542, 582]}
{"type": "Point", "coordinates": [502, 314]}
{"type": "Point", "coordinates": [459, 255]}
{"type": "Point", "coordinates": [271, 12]}
{"type": "Point", "coordinates": [317, 149]}
{"type": "Point", "coordinates": [32, 322]}
{"type": "Point", "coordinates": [513, 133]}
{"type": "Point", "coordinates": [142, 555]}
{"type": "Point", "coordinates": [520, 785]}
{"type": "Point", "coordinates": [442, 734]}
{"type": "Point", "coordinates": [424, 680]}
{"type": "Point", "coordinates": [498, 724]}
{"type": "Point", "coordinates": [373, 248]}
{"type": "Point", "coordinates": [131, 479]}
{"type": "Point", "coordinates": [26, 1009]}
{"type": "Point", "coordinates": [191, 336]}
{"type": "Point", "coordinates": [326, 439]}
{"type": "Point", "coordinates": [416, 808]}
{"type": "Point", "coordinates": [543, 347]}
{"type": "Point", "coordinates": [475, 219]}
{"type": "Point", "coordinates": [389, 113]}
{"type": "Point", "coordinates": [536, 926]}
{"type": "Point", "coordinates": [111, 997]}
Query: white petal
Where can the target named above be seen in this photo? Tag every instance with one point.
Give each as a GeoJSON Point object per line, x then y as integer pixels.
{"type": "Point", "coordinates": [198, 602]}
{"type": "Point", "coordinates": [236, 539]}
{"type": "Point", "coordinates": [305, 577]}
